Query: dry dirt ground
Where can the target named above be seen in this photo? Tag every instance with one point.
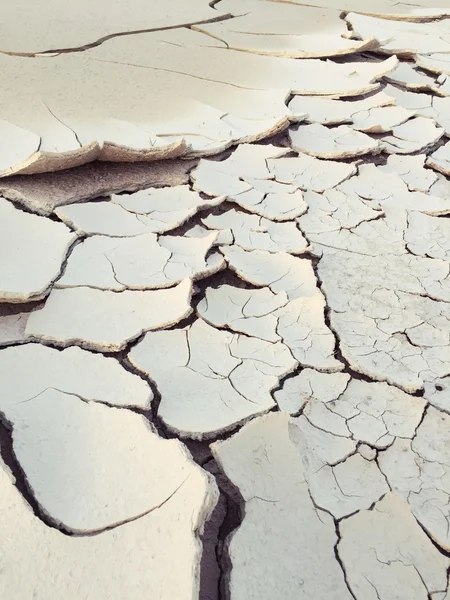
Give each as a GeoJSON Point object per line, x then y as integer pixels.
{"type": "Point", "coordinates": [225, 300]}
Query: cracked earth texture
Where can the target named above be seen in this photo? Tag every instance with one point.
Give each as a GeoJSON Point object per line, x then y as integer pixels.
{"type": "Point", "coordinates": [225, 300]}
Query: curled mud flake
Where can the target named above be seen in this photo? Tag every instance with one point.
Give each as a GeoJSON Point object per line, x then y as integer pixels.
{"type": "Point", "coordinates": [332, 111]}
{"type": "Point", "coordinates": [416, 11]}
{"type": "Point", "coordinates": [403, 37]}
{"type": "Point", "coordinates": [284, 30]}
{"type": "Point", "coordinates": [440, 160]}
{"type": "Point", "coordinates": [416, 135]}
{"type": "Point", "coordinates": [436, 62]}
{"type": "Point", "coordinates": [406, 75]}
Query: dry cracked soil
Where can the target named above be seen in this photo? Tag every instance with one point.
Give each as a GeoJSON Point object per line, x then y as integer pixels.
{"type": "Point", "coordinates": [225, 300]}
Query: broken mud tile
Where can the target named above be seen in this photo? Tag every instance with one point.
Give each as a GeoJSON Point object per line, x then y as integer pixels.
{"type": "Point", "coordinates": [333, 211]}
{"type": "Point", "coordinates": [441, 189]}
{"type": "Point", "coordinates": [252, 312]}
{"type": "Point", "coordinates": [210, 180]}
{"type": "Point", "coordinates": [140, 262]}
{"type": "Point", "coordinates": [418, 102]}
{"type": "Point", "coordinates": [281, 272]}
{"type": "Point", "coordinates": [406, 75]}
{"type": "Point", "coordinates": [376, 413]}
{"type": "Point", "coordinates": [440, 160]}
{"type": "Point", "coordinates": [419, 471]}
{"type": "Point", "coordinates": [72, 371]}
{"type": "Point", "coordinates": [437, 393]}
{"type": "Point", "coordinates": [264, 463]}
{"type": "Point", "coordinates": [284, 204]}
{"type": "Point", "coordinates": [211, 380]}
{"type": "Point", "coordinates": [348, 487]}
{"type": "Point", "coordinates": [251, 187]}
{"type": "Point", "coordinates": [307, 385]}
{"type": "Point", "coordinates": [336, 143]}
{"type": "Point", "coordinates": [384, 552]}
{"type": "Point", "coordinates": [36, 249]}
{"type": "Point", "coordinates": [411, 170]}
{"type": "Point", "coordinates": [107, 321]}
{"type": "Point", "coordinates": [309, 173]}
{"type": "Point", "coordinates": [13, 321]}
{"type": "Point", "coordinates": [373, 183]}
{"type": "Point", "coordinates": [380, 120]}
{"type": "Point", "coordinates": [44, 192]}
{"type": "Point", "coordinates": [332, 111]}
{"type": "Point", "coordinates": [428, 236]}
{"type": "Point", "coordinates": [224, 237]}
{"type": "Point", "coordinates": [92, 25]}
{"type": "Point", "coordinates": [127, 455]}
{"type": "Point", "coordinates": [376, 237]}
{"type": "Point", "coordinates": [247, 161]}
{"type": "Point", "coordinates": [284, 30]}
{"type": "Point", "coordinates": [148, 211]}
{"type": "Point", "coordinates": [253, 232]}
{"type": "Point", "coordinates": [301, 325]}
{"type": "Point", "coordinates": [437, 62]}
{"type": "Point", "coordinates": [25, 144]}
{"type": "Point", "coordinates": [416, 135]}
{"type": "Point", "coordinates": [107, 563]}
{"type": "Point", "coordinates": [424, 105]}
{"type": "Point", "coordinates": [317, 446]}
{"type": "Point", "coordinates": [389, 192]}
{"type": "Point", "coordinates": [402, 38]}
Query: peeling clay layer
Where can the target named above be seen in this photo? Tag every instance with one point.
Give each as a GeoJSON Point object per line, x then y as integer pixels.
{"type": "Point", "coordinates": [171, 93]}
{"type": "Point", "coordinates": [225, 360]}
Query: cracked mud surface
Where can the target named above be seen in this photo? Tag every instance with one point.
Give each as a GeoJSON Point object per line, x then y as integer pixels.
{"type": "Point", "coordinates": [225, 300]}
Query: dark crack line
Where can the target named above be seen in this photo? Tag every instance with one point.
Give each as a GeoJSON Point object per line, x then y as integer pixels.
{"type": "Point", "coordinates": [102, 40]}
